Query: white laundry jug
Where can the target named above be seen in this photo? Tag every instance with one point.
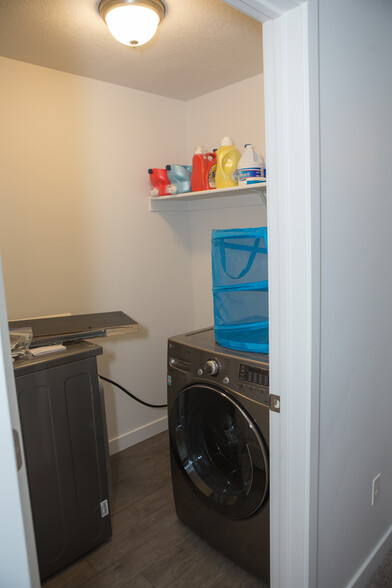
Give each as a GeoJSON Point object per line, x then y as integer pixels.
{"type": "Point", "coordinates": [251, 167]}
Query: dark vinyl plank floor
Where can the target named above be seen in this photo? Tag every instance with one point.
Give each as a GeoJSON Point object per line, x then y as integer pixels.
{"type": "Point", "coordinates": [150, 547]}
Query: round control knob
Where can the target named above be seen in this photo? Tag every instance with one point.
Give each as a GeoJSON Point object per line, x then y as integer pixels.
{"type": "Point", "coordinates": [212, 367]}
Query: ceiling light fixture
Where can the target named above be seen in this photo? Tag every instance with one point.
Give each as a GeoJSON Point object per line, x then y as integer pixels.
{"type": "Point", "coordinates": [132, 22]}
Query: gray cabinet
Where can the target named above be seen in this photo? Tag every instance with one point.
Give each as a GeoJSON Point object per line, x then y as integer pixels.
{"type": "Point", "coordinates": [65, 443]}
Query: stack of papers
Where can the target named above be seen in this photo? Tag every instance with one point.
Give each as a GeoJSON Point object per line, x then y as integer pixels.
{"type": "Point", "coordinates": [36, 351]}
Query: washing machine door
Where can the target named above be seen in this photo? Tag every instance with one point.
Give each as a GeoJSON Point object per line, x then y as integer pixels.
{"type": "Point", "coordinates": [219, 450]}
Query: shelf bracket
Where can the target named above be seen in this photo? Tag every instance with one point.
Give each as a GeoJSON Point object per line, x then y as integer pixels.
{"type": "Point", "coordinates": [263, 194]}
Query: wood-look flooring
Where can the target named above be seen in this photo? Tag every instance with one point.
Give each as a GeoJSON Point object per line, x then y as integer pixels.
{"type": "Point", "coordinates": [150, 547]}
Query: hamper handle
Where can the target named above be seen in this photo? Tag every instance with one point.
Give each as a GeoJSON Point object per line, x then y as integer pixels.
{"type": "Point", "coordinates": [248, 265]}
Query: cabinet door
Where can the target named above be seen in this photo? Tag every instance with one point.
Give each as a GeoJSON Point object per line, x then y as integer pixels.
{"type": "Point", "coordinates": [63, 437]}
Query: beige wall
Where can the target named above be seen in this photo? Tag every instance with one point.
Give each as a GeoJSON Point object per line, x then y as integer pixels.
{"type": "Point", "coordinates": [237, 111]}
{"type": "Point", "coordinates": [75, 232]}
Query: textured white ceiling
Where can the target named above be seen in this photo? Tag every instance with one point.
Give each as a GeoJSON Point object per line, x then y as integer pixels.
{"type": "Point", "coordinates": [201, 45]}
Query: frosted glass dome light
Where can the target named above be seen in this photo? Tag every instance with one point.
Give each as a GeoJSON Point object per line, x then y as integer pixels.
{"type": "Point", "coordinates": [132, 22]}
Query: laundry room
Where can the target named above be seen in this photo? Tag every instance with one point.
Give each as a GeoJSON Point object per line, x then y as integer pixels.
{"type": "Point", "coordinates": [78, 236]}
{"type": "Point", "coordinates": [83, 120]}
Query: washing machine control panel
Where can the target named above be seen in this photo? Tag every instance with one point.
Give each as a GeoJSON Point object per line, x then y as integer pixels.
{"type": "Point", "coordinates": [212, 367]}
{"type": "Point", "coordinates": [202, 361]}
{"type": "Point", "coordinates": [254, 375]}
{"type": "Point", "coordinates": [241, 376]}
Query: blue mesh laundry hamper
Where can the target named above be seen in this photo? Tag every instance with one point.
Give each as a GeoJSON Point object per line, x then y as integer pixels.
{"type": "Point", "coordinates": [240, 288]}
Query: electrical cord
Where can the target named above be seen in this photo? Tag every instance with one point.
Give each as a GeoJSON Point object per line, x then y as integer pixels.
{"type": "Point", "coordinates": [131, 395]}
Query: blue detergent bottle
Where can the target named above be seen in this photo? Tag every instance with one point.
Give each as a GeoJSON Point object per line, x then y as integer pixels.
{"type": "Point", "coordinates": [180, 178]}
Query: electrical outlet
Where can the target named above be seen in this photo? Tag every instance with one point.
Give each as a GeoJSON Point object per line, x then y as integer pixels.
{"type": "Point", "coordinates": [375, 489]}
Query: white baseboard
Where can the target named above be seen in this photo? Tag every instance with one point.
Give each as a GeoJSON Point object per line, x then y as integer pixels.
{"type": "Point", "coordinates": [372, 562]}
{"type": "Point", "coordinates": [137, 435]}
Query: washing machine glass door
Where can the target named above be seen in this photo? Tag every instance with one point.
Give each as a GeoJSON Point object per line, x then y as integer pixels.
{"type": "Point", "coordinates": [220, 451]}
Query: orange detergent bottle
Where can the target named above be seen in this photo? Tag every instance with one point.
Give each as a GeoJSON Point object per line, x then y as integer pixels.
{"type": "Point", "coordinates": [201, 165]}
{"type": "Point", "coordinates": [228, 157]}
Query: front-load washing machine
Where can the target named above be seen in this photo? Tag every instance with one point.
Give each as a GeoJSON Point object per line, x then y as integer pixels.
{"type": "Point", "coordinates": [218, 402]}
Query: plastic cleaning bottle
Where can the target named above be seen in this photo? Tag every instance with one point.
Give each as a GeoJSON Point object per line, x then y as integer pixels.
{"type": "Point", "coordinates": [159, 182]}
{"type": "Point", "coordinates": [180, 178]}
{"type": "Point", "coordinates": [227, 157]}
{"type": "Point", "coordinates": [199, 178]}
{"type": "Point", "coordinates": [211, 170]}
{"type": "Point", "coordinates": [250, 167]}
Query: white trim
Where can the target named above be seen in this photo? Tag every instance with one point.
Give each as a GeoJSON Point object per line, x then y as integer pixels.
{"type": "Point", "coordinates": [137, 435]}
{"type": "Point", "coordinates": [315, 270]}
{"type": "Point", "coordinates": [264, 10]}
{"type": "Point", "coordinates": [363, 576]}
{"type": "Point", "coordinates": [18, 556]}
{"type": "Point", "coordinates": [277, 510]}
{"type": "Point", "coordinates": [293, 303]}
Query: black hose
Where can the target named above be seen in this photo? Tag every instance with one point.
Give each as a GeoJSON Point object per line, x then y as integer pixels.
{"type": "Point", "coordinates": [131, 395]}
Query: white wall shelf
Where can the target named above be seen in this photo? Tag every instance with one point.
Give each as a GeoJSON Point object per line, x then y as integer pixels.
{"type": "Point", "coordinates": [208, 198]}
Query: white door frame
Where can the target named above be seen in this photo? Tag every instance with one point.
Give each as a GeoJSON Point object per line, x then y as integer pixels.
{"type": "Point", "coordinates": [292, 148]}
{"type": "Point", "coordinates": [294, 237]}
{"type": "Point", "coordinates": [18, 557]}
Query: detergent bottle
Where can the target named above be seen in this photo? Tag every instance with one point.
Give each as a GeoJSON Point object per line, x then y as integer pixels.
{"type": "Point", "coordinates": [228, 157]}
{"type": "Point", "coordinates": [180, 178]}
{"type": "Point", "coordinates": [211, 169]}
{"type": "Point", "coordinates": [159, 182]}
{"type": "Point", "coordinates": [200, 168]}
{"type": "Point", "coordinates": [250, 167]}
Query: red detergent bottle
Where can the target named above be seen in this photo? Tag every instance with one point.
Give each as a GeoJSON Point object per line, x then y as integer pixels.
{"type": "Point", "coordinates": [200, 168]}
{"type": "Point", "coordinates": [159, 182]}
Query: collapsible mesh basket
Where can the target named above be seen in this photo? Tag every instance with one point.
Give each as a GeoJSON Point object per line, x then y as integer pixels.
{"type": "Point", "coordinates": [240, 288]}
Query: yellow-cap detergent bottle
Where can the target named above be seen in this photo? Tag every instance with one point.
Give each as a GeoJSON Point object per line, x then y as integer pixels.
{"type": "Point", "coordinates": [227, 159]}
